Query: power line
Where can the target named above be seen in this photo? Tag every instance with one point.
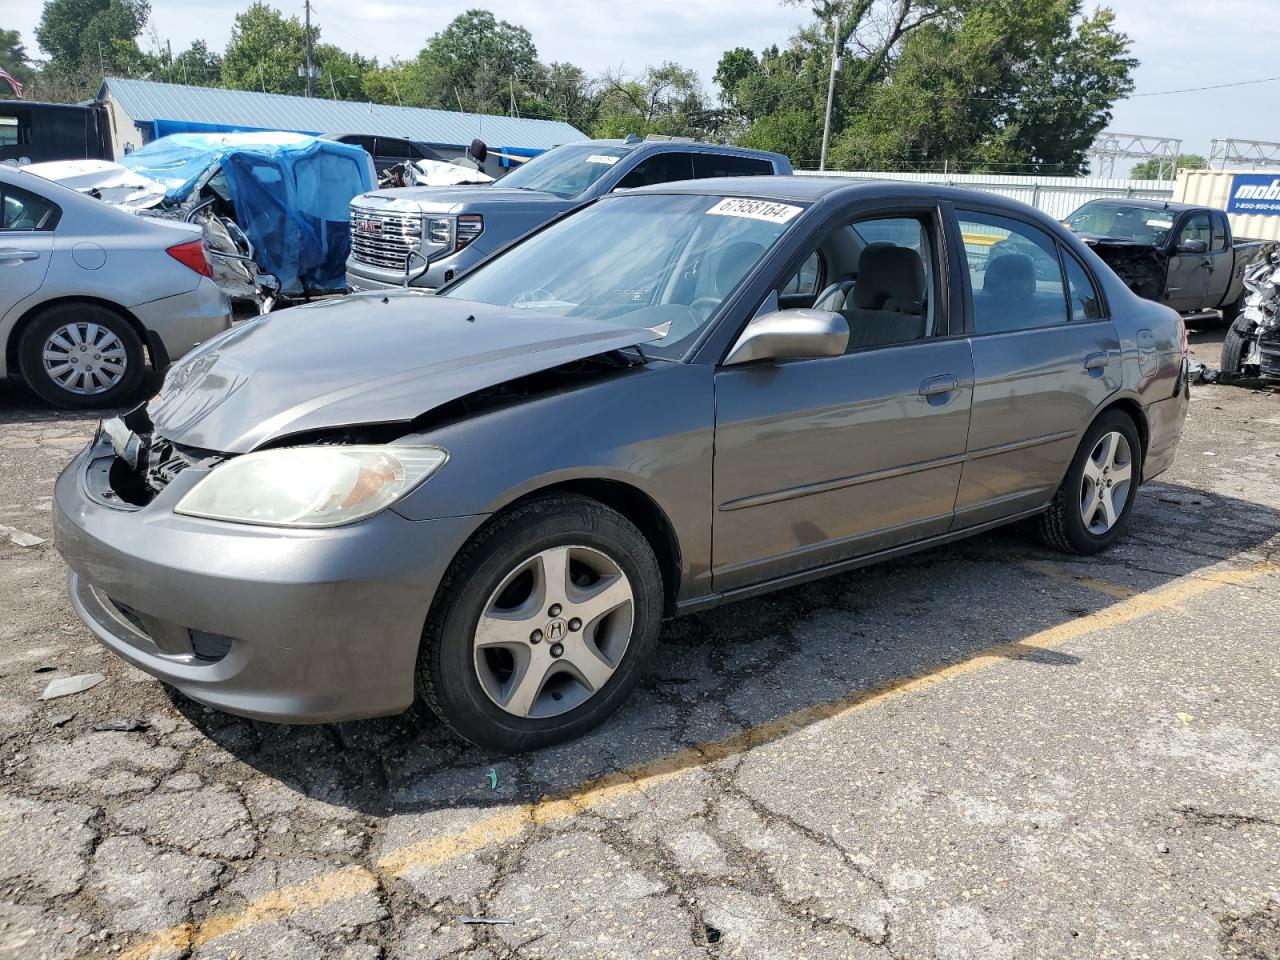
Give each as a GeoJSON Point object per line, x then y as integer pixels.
{"type": "Point", "coordinates": [1212, 86]}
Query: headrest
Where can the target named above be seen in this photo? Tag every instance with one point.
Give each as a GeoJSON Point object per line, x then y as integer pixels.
{"type": "Point", "coordinates": [735, 260]}
{"type": "Point", "coordinates": [889, 278]}
{"type": "Point", "coordinates": [1010, 275]}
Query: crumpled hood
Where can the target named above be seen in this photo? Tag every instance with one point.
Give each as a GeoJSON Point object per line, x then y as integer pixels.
{"type": "Point", "coordinates": [363, 359]}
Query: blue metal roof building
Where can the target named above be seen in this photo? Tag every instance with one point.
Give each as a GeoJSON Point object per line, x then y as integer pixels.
{"type": "Point", "coordinates": [143, 110]}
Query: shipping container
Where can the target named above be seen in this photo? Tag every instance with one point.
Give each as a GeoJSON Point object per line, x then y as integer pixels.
{"type": "Point", "coordinates": [1250, 197]}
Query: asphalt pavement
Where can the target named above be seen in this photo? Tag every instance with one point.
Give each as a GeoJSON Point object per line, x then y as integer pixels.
{"type": "Point", "coordinates": [986, 751]}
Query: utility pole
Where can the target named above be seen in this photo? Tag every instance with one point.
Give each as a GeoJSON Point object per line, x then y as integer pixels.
{"type": "Point", "coordinates": [307, 42]}
{"type": "Point", "coordinates": [168, 45]}
{"type": "Point", "coordinates": [831, 91]}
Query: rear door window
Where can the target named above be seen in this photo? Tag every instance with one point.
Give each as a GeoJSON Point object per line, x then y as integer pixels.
{"type": "Point", "coordinates": [716, 165]}
{"type": "Point", "coordinates": [393, 148]}
{"type": "Point", "coordinates": [1014, 274]}
{"type": "Point", "coordinates": [659, 168]}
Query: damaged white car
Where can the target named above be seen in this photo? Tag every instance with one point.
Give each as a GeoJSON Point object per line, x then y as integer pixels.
{"type": "Point", "coordinates": [1251, 347]}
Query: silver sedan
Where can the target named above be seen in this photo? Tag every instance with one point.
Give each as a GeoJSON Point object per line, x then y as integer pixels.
{"type": "Point", "coordinates": [90, 295]}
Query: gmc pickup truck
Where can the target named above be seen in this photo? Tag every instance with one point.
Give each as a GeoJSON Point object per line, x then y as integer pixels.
{"type": "Point", "coordinates": [1174, 253]}
{"type": "Point", "coordinates": [426, 236]}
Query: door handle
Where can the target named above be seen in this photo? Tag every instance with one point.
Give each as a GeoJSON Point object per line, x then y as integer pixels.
{"type": "Point", "coordinates": [1096, 361]}
{"type": "Point", "coordinates": [10, 255]}
{"type": "Point", "coordinates": [934, 386]}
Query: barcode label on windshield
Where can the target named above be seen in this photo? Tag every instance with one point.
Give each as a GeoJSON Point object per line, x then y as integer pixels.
{"type": "Point", "coordinates": [602, 158]}
{"type": "Point", "coordinates": [767, 210]}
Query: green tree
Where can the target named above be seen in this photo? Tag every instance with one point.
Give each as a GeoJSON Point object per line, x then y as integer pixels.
{"type": "Point", "coordinates": [1017, 86]}
{"type": "Point", "coordinates": [477, 63]}
{"type": "Point", "coordinates": [1150, 169]}
{"type": "Point", "coordinates": [97, 34]}
{"type": "Point", "coordinates": [196, 66]}
{"type": "Point", "coordinates": [776, 101]}
{"type": "Point", "coordinates": [13, 60]}
{"type": "Point", "coordinates": [267, 51]}
{"type": "Point", "coordinates": [666, 100]}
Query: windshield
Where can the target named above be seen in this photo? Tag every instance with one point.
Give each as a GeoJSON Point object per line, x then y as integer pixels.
{"type": "Point", "coordinates": [566, 171]}
{"type": "Point", "coordinates": [1124, 221]}
{"type": "Point", "coordinates": [661, 261]}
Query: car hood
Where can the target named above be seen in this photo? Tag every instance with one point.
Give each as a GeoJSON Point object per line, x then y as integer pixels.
{"type": "Point", "coordinates": [1102, 240]}
{"type": "Point", "coordinates": [447, 200]}
{"type": "Point", "coordinates": [364, 359]}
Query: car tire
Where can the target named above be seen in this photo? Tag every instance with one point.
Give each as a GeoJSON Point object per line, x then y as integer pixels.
{"type": "Point", "coordinates": [1233, 350]}
{"type": "Point", "coordinates": [1077, 523]}
{"type": "Point", "coordinates": [106, 350]}
{"type": "Point", "coordinates": [483, 675]}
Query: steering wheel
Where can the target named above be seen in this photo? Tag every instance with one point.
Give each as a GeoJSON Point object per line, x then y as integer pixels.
{"type": "Point", "coordinates": [705, 306]}
{"type": "Point", "coordinates": [535, 295]}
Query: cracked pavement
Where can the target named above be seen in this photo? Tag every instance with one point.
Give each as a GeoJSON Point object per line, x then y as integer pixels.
{"type": "Point", "coordinates": [983, 751]}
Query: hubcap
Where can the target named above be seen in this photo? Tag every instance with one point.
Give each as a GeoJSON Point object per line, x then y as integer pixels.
{"type": "Point", "coordinates": [554, 631]}
{"type": "Point", "coordinates": [84, 358]}
{"type": "Point", "coordinates": [1104, 488]}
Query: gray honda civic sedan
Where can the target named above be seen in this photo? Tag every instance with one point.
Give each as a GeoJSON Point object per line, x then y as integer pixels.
{"type": "Point", "coordinates": [492, 496]}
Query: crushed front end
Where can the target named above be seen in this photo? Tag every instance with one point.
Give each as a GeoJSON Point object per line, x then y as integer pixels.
{"type": "Point", "coordinates": [297, 625]}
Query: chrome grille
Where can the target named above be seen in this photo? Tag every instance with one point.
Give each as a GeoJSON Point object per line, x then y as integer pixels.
{"type": "Point", "coordinates": [384, 240]}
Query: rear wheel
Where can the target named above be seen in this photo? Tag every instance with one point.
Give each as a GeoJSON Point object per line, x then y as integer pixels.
{"type": "Point", "coordinates": [542, 624]}
{"type": "Point", "coordinates": [81, 355]}
{"type": "Point", "coordinates": [1096, 496]}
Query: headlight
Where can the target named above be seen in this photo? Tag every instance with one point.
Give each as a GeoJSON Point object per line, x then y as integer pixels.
{"type": "Point", "coordinates": [311, 486]}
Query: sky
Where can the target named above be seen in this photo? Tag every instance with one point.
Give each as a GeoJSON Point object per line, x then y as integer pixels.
{"type": "Point", "coordinates": [1181, 44]}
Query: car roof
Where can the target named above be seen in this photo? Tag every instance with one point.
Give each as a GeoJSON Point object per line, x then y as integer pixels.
{"type": "Point", "coordinates": [656, 146]}
{"type": "Point", "coordinates": [1146, 203]}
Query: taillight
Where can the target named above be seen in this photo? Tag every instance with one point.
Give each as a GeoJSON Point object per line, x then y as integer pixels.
{"type": "Point", "coordinates": [192, 254]}
{"type": "Point", "coordinates": [470, 226]}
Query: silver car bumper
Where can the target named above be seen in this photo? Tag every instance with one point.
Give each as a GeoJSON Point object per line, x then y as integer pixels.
{"type": "Point", "coordinates": [183, 321]}
{"type": "Point", "coordinates": [287, 625]}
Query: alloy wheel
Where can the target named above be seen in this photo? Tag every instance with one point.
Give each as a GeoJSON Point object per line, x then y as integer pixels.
{"type": "Point", "coordinates": [1105, 485]}
{"type": "Point", "coordinates": [84, 358]}
{"type": "Point", "coordinates": [554, 631]}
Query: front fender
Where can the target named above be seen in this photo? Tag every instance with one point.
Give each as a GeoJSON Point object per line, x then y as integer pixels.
{"type": "Point", "coordinates": [649, 427]}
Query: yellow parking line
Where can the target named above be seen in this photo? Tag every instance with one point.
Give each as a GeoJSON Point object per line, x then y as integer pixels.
{"type": "Point", "coordinates": [1120, 591]}
{"type": "Point", "coordinates": [504, 826]}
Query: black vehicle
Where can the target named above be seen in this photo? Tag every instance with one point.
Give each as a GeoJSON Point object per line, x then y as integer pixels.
{"type": "Point", "coordinates": [387, 151]}
{"type": "Point", "coordinates": [1177, 254]}
{"type": "Point", "coordinates": [54, 131]}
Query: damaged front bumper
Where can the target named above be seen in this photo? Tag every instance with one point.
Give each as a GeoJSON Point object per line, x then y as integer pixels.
{"type": "Point", "coordinates": [275, 624]}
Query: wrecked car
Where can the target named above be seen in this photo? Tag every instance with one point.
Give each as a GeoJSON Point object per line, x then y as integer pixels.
{"type": "Point", "coordinates": [1251, 347]}
{"type": "Point", "coordinates": [494, 494]}
{"type": "Point", "coordinates": [1177, 254]}
{"type": "Point", "coordinates": [91, 296]}
{"type": "Point", "coordinates": [274, 206]}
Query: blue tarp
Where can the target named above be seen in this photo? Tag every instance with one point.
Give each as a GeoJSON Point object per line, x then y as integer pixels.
{"type": "Point", "coordinates": [290, 194]}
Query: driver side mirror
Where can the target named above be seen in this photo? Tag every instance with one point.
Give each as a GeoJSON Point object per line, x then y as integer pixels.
{"type": "Point", "coordinates": [1193, 246]}
{"type": "Point", "coordinates": [791, 335]}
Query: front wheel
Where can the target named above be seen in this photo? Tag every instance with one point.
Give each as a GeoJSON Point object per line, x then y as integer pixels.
{"type": "Point", "coordinates": [1234, 347]}
{"type": "Point", "coordinates": [542, 624]}
{"type": "Point", "coordinates": [1096, 496]}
